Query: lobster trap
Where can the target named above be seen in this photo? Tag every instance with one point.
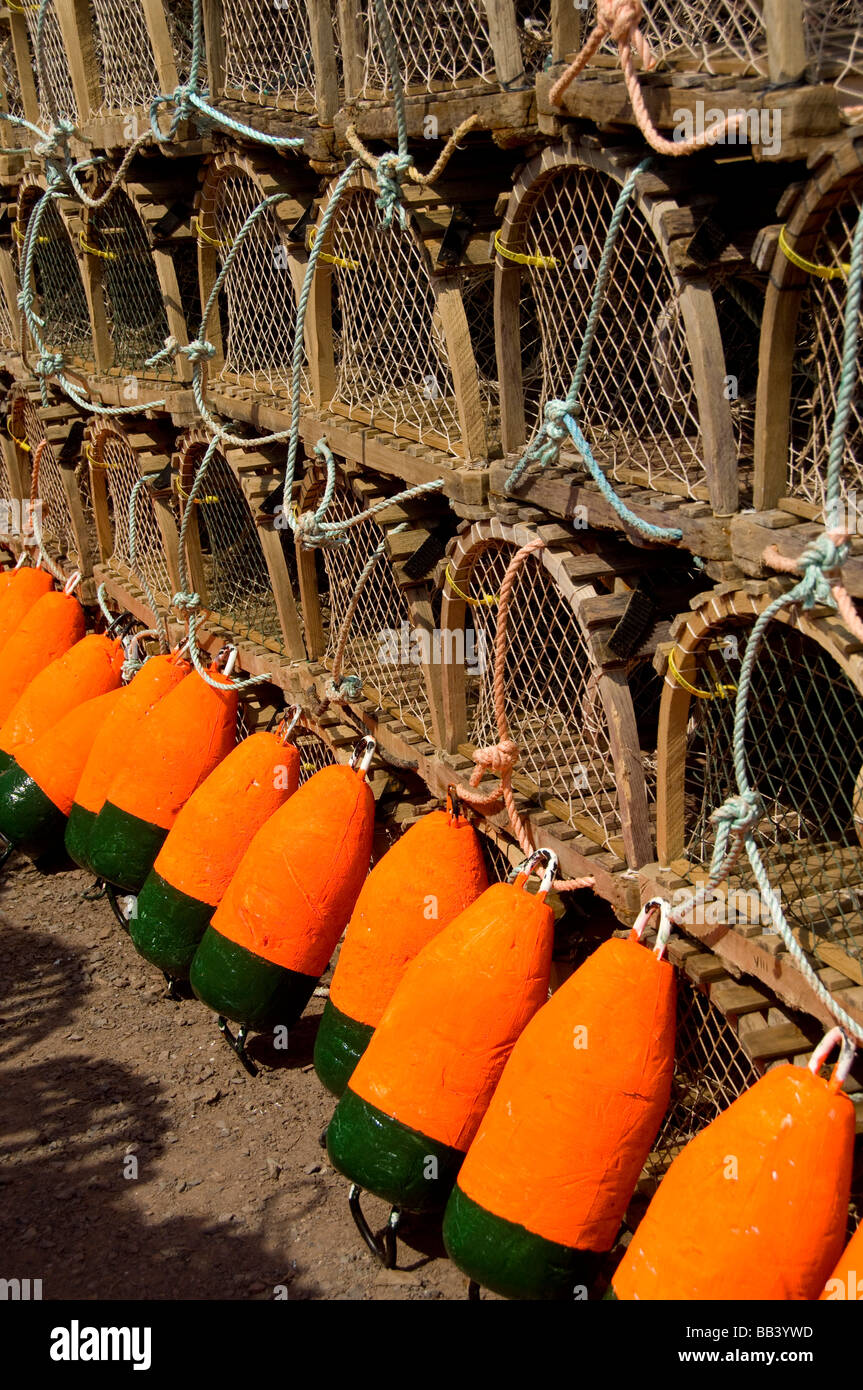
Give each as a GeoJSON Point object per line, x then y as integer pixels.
{"type": "Point", "coordinates": [11, 95]}
{"type": "Point", "coordinates": [52, 473]}
{"type": "Point", "coordinates": [802, 344]}
{"type": "Point", "coordinates": [285, 57]}
{"type": "Point", "coordinates": [60, 295]}
{"type": "Point", "coordinates": [253, 326]}
{"type": "Point", "coordinates": [804, 751]}
{"type": "Point", "coordinates": [143, 49]}
{"type": "Point", "coordinates": [398, 345]}
{"type": "Point", "coordinates": [61, 91]}
{"type": "Point", "coordinates": [10, 319]}
{"type": "Point", "coordinates": [365, 616]}
{"type": "Point", "coordinates": [654, 401]}
{"type": "Point", "coordinates": [119, 456]}
{"type": "Point", "coordinates": [582, 745]}
{"type": "Point", "coordinates": [237, 559]}
{"type": "Point", "coordinates": [821, 38]}
{"type": "Point", "coordinates": [470, 46]}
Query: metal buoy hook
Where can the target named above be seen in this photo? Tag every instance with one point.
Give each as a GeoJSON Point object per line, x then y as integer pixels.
{"type": "Point", "coordinates": [383, 1245]}
{"type": "Point", "coordinates": [114, 899]}
{"type": "Point", "coordinates": [238, 1044]}
{"type": "Point", "coordinates": [7, 849]}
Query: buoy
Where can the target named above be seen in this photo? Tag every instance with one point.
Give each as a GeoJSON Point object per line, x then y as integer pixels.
{"type": "Point", "coordinates": [21, 590]}
{"type": "Point", "coordinates": [415, 1101]}
{"type": "Point", "coordinates": [426, 879]}
{"type": "Point", "coordinates": [156, 678]}
{"type": "Point", "coordinates": [547, 1180]}
{"type": "Point", "coordinates": [53, 625]}
{"type": "Point", "coordinates": [289, 901]}
{"type": "Point", "coordinates": [174, 748]}
{"type": "Point", "coordinates": [846, 1281]}
{"type": "Point", "coordinates": [205, 845]}
{"type": "Point", "coordinates": [91, 667]}
{"type": "Point", "coordinates": [36, 792]}
{"type": "Point", "coordinates": [756, 1205]}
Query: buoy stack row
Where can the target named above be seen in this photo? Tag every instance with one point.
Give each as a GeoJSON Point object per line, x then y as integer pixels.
{"type": "Point", "coordinates": [521, 1121]}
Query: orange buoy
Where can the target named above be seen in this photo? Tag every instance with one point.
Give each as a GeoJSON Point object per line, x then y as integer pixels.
{"type": "Point", "coordinates": [425, 880]}
{"type": "Point", "coordinates": [158, 676]}
{"type": "Point", "coordinates": [756, 1205]}
{"type": "Point", "coordinates": [21, 590]}
{"type": "Point", "coordinates": [174, 747]}
{"type": "Point", "coordinates": [419, 1091]}
{"type": "Point", "coordinates": [53, 625]}
{"type": "Point", "coordinates": [547, 1180]}
{"type": "Point", "coordinates": [289, 901]}
{"type": "Point", "coordinates": [846, 1281]}
{"type": "Point", "coordinates": [37, 791]}
{"type": "Point", "coordinates": [91, 667]}
{"type": "Point", "coordinates": [205, 845]}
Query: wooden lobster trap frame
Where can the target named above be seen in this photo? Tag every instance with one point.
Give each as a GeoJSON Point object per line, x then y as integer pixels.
{"type": "Point", "coordinates": [17, 96]}
{"type": "Point", "coordinates": [655, 408]}
{"type": "Point", "coordinates": [568, 702]}
{"type": "Point", "coordinates": [395, 348]}
{"type": "Point", "coordinates": [382, 618]}
{"type": "Point", "coordinates": [804, 750]}
{"type": "Point", "coordinates": [10, 314]}
{"type": "Point", "coordinates": [284, 56]}
{"type": "Point", "coordinates": [69, 61]}
{"type": "Point", "coordinates": [252, 328]}
{"type": "Point", "coordinates": [61, 487]}
{"type": "Point", "coordinates": [237, 558]}
{"type": "Point", "coordinates": [136, 292]}
{"type": "Point", "coordinates": [143, 48]}
{"type": "Point", "coordinates": [58, 280]}
{"type": "Point", "coordinates": [119, 455]}
{"type": "Point", "coordinates": [801, 345]}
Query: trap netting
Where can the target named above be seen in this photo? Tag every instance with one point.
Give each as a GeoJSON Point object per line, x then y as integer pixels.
{"type": "Point", "coordinates": [53, 69]}
{"type": "Point", "coordinates": [553, 693]}
{"type": "Point", "coordinates": [834, 45]}
{"type": "Point", "coordinates": [315, 752]}
{"type": "Point", "coordinates": [477, 294]}
{"type": "Point", "coordinates": [259, 309]}
{"type": "Point", "coordinates": [639, 402]}
{"type": "Point", "coordinates": [9, 81]}
{"type": "Point", "coordinates": [55, 516]}
{"type": "Point", "coordinates": [392, 357]}
{"type": "Point", "coordinates": [127, 65]}
{"type": "Point", "coordinates": [115, 469]}
{"type": "Point", "coordinates": [817, 366]}
{"type": "Point", "coordinates": [380, 646]}
{"type": "Point", "coordinates": [711, 1069]}
{"type": "Point", "coordinates": [224, 548]}
{"type": "Point", "coordinates": [804, 749]}
{"type": "Point", "coordinates": [117, 241]}
{"type": "Point", "coordinates": [268, 54]}
{"type": "Point", "coordinates": [61, 301]}
{"type": "Point", "coordinates": [10, 333]}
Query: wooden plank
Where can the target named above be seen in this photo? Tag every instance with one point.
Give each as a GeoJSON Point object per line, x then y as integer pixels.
{"type": "Point", "coordinates": [786, 41]}
{"type": "Point", "coordinates": [567, 29]}
{"type": "Point", "coordinates": [215, 49]}
{"type": "Point", "coordinates": [503, 32]}
{"type": "Point", "coordinates": [76, 28]}
{"type": "Point", "coordinates": [156, 21]}
{"type": "Point", "coordinates": [324, 57]}
{"type": "Point", "coordinates": [352, 47]}
{"type": "Point", "coordinates": [449, 305]}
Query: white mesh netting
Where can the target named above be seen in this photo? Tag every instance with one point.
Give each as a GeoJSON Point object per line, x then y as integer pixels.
{"type": "Point", "coordinates": [391, 354]}
{"type": "Point", "coordinates": [113, 453]}
{"type": "Point", "coordinates": [137, 321]}
{"type": "Point", "coordinates": [58, 534]}
{"type": "Point", "coordinates": [126, 62]}
{"type": "Point", "coordinates": [56, 66]}
{"type": "Point", "coordinates": [62, 302]}
{"type": "Point", "coordinates": [9, 74]}
{"type": "Point", "coordinates": [268, 51]}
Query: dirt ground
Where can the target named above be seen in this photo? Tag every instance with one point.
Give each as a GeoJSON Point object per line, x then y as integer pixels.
{"type": "Point", "coordinates": [234, 1195]}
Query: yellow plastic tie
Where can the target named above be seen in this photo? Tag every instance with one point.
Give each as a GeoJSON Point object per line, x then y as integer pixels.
{"type": "Point", "coordinates": [331, 260]}
{"type": "Point", "coordinates": [22, 443]}
{"type": "Point", "coordinates": [185, 495]}
{"type": "Point", "coordinates": [722, 692]}
{"type": "Point", "coordinates": [486, 601]}
{"type": "Point", "coordinates": [94, 250]}
{"type": "Point", "coordinates": [541, 262]}
{"type": "Point", "coordinates": [204, 236]}
{"type": "Point", "coordinates": [824, 272]}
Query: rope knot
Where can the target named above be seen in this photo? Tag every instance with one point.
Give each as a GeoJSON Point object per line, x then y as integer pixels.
{"type": "Point", "coordinates": [738, 815]}
{"type": "Point", "coordinates": [821, 556]}
{"type": "Point", "coordinates": [49, 364]}
{"type": "Point", "coordinates": [498, 758]}
{"type": "Point", "coordinates": [390, 173]}
{"type": "Point", "coordinates": [187, 601]}
{"type": "Point", "coordinates": [620, 19]}
{"type": "Point", "coordinates": [198, 350]}
{"type": "Point", "coordinates": [555, 416]}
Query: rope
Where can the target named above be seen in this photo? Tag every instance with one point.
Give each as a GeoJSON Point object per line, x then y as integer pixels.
{"type": "Point", "coordinates": [559, 420]}
{"type": "Point", "coordinates": [620, 20]}
{"type": "Point", "coordinates": [500, 758]}
{"type": "Point", "coordinates": [823, 272]}
{"type": "Point", "coordinates": [332, 260]}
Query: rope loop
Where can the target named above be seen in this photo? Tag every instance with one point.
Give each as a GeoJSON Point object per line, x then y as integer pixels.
{"type": "Point", "coordinates": [190, 602]}
{"type": "Point", "coordinates": [738, 815]}
{"type": "Point", "coordinates": [49, 364]}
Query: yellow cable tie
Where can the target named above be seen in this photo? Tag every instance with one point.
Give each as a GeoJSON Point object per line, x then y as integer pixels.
{"type": "Point", "coordinates": [205, 236]}
{"type": "Point", "coordinates": [20, 9]}
{"type": "Point", "coordinates": [824, 272]}
{"type": "Point", "coordinates": [22, 236]}
{"type": "Point", "coordinates": [22, 443]}
{"type": "Point", "coordinates": [487, 600]}
{"type": "Point", "coordinates": [722, 692]}
{"type": "Point", "coordinates": [331, 260]}
{"type": "Point", "coordinates": [541, 262]}
{"type": "Point", "coordinates": [197, 499]}
{"type": "Point", "coordinates": [94, 250]}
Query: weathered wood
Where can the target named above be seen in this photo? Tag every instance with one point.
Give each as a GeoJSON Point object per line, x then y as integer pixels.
{"type": "Point", "coordinates": [786, 40]}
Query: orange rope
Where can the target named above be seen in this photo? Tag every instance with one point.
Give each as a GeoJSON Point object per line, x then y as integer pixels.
{"type": "Point", "coordinates": [501, 757]}
{"type": "Point", "coordinates": [844, 602]}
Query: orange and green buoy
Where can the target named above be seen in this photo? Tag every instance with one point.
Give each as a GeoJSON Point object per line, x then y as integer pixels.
{"type": "Point", "coordinates": [416, 1098]}
{"type": "Point", "coordinates": [546, 1182]}
{"type": "Point", "coordinates": [425, 880]}
{"type": "Point", "coordinates": [205, 845]}
{"type": "Point", "coordinates": [174, 748]}
{"type": "Point", "coordinates": [53, 625]}
{"type": "Point", "coordinates": [22, 588]}
{"type": "Point", "coordinates": [158, 676]}
{"type": "Point", "coordinates": [289, 901]}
